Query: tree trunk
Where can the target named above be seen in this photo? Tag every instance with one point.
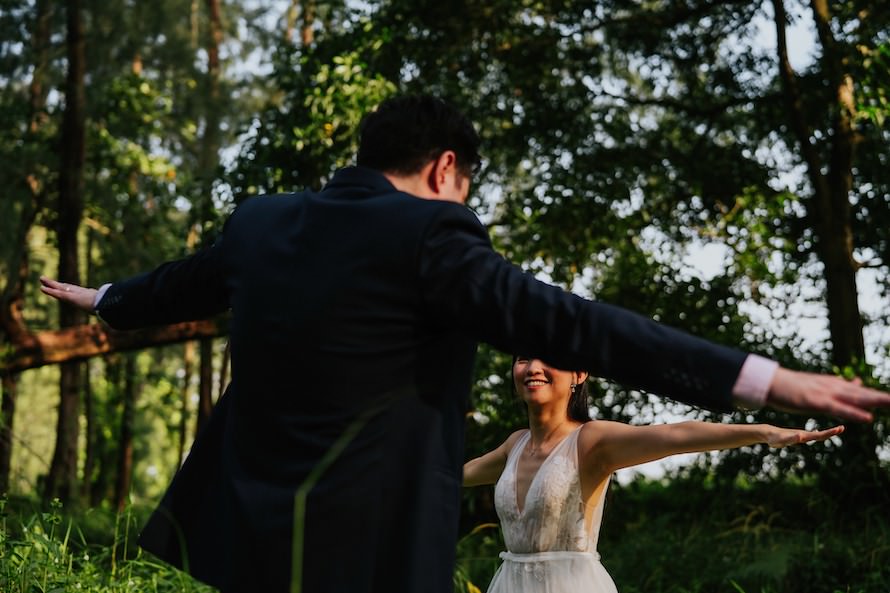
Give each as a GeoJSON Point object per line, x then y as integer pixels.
{"type": "Point", "coordinates": [125, 443]}
{"type": "Point", "coordinates": [188, 359]}
{"type": "Point", "coordinates": [37, 90]}
{"type": "Point", "coordinates": [208, 159]}
{"type": "Point", "coordinates": [12, 325]}
{"type": "Point", "coordinates": [845, 319]}
{"type": "Point", "coordinates": [830, 212]}
{"type": "Point", "coordinates": [88, 404]}
{"type": "Point", "coordinates": [205, 387]}
{"type": "Point", "coordinates": [290, 20]}
{"type": "Point", "coordinates": [105, 453]}
{"type": "Point", "coordinates": [208, 162]}
{"type": "Point", "coordinates": [307, 33]}
{"type": "Point", "coordinates": [833, 203]}
{"type": "Point", "coordinates": [89, 452]}
{"type": "Point", "coordinates": [829, 207]}
{"type": "Point", "coordinates": [63, 469]}
{"type": "Point", "coordinates": [7, 415]}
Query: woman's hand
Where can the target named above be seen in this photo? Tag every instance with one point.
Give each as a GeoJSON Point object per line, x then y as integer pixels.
{"type": "Point", "coordinates": [782, 437]}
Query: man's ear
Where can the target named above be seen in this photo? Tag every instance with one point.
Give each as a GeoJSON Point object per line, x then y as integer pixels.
{"type": "Point", "coordinates": [444, 165]}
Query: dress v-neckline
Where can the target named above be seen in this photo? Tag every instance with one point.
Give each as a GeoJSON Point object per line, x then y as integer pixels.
{"type": "Point", "coordinates": [531, 484]}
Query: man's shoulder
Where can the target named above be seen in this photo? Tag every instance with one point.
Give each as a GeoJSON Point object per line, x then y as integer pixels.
{"type": "Point", "coordinates": [410, 211]}
{"type": "Point", "coordinates": [429, 206]}
{"type": "Point", "coordinates": [258, 205]}
{"type": "Point", "coordinates": [271, 200]}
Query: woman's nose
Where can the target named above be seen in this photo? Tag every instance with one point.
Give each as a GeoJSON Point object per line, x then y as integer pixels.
{"type": "Point", "coordinates": [534, 365]}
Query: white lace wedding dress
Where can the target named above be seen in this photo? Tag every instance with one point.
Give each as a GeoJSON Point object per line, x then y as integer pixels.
{"type": "Point", "coordinates": [550, 549]}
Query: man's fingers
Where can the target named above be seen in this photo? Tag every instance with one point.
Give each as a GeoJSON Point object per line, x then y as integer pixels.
{"type": "Point", "coordinates": [847, 411]}
{"type": "Point", "coordinates": [53, 292]}
{"type": "Point", "coordinates": [872, 398]}
{"type": "Point", "coordinates": [57, 292]}
{"type": "Point", "coordinates": [825, 394]}
{"type": "Point", "coordinates": [845, 399]}
{"type": "Point", "coordinates": [50, 283]}
{"type": "Point", "coordinates": [862, 399]}
{"type": "Point", "coordinates": [54, 287]}
{"type": "Point", "coordinates": [77, 295]}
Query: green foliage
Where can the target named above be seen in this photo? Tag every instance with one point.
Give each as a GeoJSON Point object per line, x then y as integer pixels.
{"type": "Point", "coordinates": [693, 535]}
{"type": "Point", "coordinates": [477, 558]}
{"type": "Point", "coordinates": [311, 128]}
{"type": "Point", "coordinates": [49, 551]}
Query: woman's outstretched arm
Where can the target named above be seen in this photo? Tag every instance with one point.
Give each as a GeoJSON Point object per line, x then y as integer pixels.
{"type": "Point", "coordinates": [487, 468]}
{"type": "Point", "coordinates": [608, 446]}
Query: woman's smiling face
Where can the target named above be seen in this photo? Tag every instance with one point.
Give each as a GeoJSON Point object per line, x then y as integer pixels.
{"type": "Point", "coordinates": [538, 383]}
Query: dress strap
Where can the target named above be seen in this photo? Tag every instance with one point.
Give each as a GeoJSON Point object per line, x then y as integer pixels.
{"type": "Point", "coordinates": [519, 444]}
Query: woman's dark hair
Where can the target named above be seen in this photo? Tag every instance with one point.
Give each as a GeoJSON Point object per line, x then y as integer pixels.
{"type": "Point", "coordinates": [579, 402]}
{"type": "Point", "coordinates": [404, 133]}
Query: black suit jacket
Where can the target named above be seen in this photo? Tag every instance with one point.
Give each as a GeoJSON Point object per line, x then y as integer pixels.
{"type": "Point", "coordinates": [356, 311]}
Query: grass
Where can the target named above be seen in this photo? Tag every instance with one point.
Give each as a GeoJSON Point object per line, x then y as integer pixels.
{"type": "Point", "coordinates": [47, 552]}
{"type": "Point", "coordinates": [684, 536]}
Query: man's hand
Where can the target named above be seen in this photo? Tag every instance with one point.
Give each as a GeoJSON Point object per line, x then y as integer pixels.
{"type": "Point", "coordinates": [795, 391]}
{"type": "Point", "coordinates": [79, 296]}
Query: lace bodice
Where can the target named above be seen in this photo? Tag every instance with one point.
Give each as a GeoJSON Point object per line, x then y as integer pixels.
{"type": "Point", "coordinates": [552, 518]}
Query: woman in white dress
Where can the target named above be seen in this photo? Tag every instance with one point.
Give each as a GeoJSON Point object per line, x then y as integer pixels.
{"type": "Point", "coordinates": [552, 477]}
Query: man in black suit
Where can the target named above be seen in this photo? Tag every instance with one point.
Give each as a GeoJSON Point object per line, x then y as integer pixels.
{"type": "Point", "coordinates": [333, 462]}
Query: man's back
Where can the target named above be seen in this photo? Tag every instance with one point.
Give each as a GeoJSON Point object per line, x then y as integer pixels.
{"type": "Point", "coordinates": [330, 333]}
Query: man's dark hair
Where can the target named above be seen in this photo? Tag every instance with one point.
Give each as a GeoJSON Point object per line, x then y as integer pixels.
{"type": "Point", "coordinates": [406, 132]}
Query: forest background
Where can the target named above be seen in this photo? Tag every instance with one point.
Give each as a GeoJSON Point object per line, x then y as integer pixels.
{"type": "Point", "coordinates": [622, 141]}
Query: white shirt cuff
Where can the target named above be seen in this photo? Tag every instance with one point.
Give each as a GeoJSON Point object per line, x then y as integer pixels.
{"type": "Point", "coordinates": [99, 294]}
{"type": "Point", "coordinates": [752, 385]}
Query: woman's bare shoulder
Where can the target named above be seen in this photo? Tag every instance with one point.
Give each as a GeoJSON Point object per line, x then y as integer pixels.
{"type": "Point", "coordinates": [593, 432]}
{"type": "Point", "coordinates": [593, 428]}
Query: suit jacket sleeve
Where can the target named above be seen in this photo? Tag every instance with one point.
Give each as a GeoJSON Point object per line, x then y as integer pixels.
{"type": "Point", "coordinates": [182, 290]}
{"type": "Point", "coordinates": [469, 286]}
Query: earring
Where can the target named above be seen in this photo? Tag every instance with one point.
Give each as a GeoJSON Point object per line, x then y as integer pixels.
{"type": "Point", "coordinates": [574, 386]}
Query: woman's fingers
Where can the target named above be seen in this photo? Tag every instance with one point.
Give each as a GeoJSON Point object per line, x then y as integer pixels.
{"type": "Point", "coordinates": [797, 437]}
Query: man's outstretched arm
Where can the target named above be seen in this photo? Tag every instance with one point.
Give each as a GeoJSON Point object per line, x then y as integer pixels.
{"type": "Point", "coordinates": [473, 288]}
{"type": "Point", "coordinates": [183, 290]}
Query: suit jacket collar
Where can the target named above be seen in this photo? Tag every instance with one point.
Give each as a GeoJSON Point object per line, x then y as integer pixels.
{"type": "Point", "coordinates": [350, 179]}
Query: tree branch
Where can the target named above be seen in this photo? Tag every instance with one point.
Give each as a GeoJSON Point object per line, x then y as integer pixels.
{"type": "Point", "coordinates": [691, 108]}
{"type": "Point", "coordinates": [85, 341]}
